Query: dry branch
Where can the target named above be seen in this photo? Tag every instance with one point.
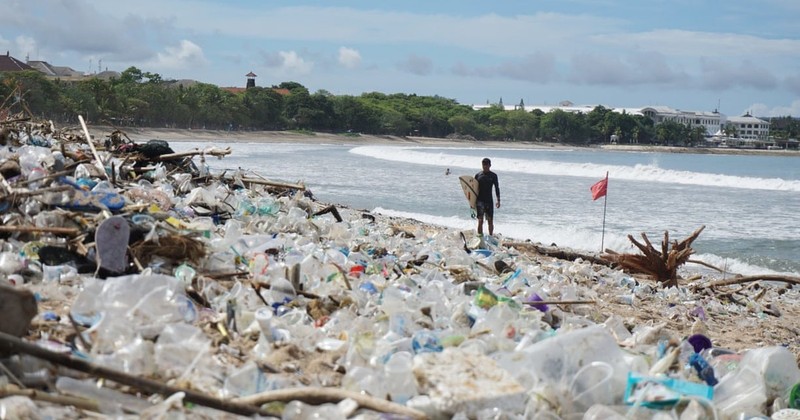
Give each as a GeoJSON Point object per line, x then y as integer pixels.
{"type": "Point", "coordinates": [747, 279]}
{"type": "Point", "coordinates": [316, 396]}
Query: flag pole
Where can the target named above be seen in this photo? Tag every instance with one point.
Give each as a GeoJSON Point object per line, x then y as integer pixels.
{"type": "Point", "coordinates": [605, 201]}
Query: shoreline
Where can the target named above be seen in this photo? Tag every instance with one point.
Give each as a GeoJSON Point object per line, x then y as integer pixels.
{"type": "Point", "coordinates": [188, 135]}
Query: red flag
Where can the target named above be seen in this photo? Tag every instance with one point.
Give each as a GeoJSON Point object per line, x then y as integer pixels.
{"type": "Point", "coordinates": [600, 188]}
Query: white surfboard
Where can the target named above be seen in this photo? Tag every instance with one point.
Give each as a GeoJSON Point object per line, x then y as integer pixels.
{"type": "Point", "coordinates": [470, 187]}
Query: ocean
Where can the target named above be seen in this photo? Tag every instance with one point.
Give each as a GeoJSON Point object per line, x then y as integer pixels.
{"type": "Point", "coordinates": [749, 205]}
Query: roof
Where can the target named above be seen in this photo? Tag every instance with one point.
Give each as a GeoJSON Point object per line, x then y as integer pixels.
{"type": "Point", "coordinates": [746, 119]}
{"type": "Point", "coordinates": [54, 71]}
{"type": "Point", "coordinates": [9, 63]}
{"type": "Point", "coordinates": [251, 74]}
{"type": "Point", "coordinates": [234, 89]}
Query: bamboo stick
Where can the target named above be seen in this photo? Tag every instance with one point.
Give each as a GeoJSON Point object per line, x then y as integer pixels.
{"type": "Point", "coordinates": [99, 162]}
{"type": "Point", "coordinates": [560, 302]}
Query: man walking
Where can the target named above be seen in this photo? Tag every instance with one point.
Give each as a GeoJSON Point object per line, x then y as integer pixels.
{"type": "Point", "coordinates": [485, 205]}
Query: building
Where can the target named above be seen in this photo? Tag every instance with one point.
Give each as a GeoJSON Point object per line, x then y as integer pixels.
{"type": "Point", "coordinates": [11, 64]}
{"type": "Point", "coordinates": [748, 127]}
{"type": "Point", "coordinates": [712, 122]}
{"type": "Point", "coordinates": [55, 72]}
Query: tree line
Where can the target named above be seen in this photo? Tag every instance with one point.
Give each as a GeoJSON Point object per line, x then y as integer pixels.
{"type": "Point", "coordinates": [142, 99]}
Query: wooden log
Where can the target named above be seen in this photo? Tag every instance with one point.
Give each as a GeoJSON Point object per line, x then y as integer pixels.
{"type": "Point", "coordinates": [300, 187]}
{"type": "Point", "coordinates": [14, 344]}
{"type": "Point", "coordinates": [211, 152]}
{"type": "Point", "coordinates": [559, 253]}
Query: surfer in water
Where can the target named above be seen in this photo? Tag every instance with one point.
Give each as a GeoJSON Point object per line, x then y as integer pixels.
{"type": "Point", "coordinates": [485, 204]}
{"type": "Point", "coordinates": [447, 171]}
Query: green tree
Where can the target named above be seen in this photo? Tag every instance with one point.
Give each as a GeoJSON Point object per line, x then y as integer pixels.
{"type": "Point", "coordinates": [264, 108]}
{"type": "Point", "coordinates": [565, 127]}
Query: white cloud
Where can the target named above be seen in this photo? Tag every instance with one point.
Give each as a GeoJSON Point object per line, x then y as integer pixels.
{"type": "Point", "coordinates": [349, 57]}
{"type": "Point", "coordinates": [288, 62]}
{"type": "Point", "coordinates": [762, 110]}
{"type": "Point", "coordinates": [186, 54]}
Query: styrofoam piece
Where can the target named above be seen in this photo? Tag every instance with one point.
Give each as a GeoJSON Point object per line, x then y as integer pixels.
{"type": "Point", "coordinates": [460, 381]}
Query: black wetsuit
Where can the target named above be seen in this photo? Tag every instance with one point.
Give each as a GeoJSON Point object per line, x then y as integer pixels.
{"type": "Point", "coordinates": [485, 204]}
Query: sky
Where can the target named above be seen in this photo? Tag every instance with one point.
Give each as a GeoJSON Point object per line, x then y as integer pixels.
{"type": "Point", "coordinates": [736, 56]}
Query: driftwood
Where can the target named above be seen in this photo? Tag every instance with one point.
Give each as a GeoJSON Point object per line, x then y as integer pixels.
{"type": "Point", "coordinates": [14, 344]}
{"type": "Point", "coordinates": [317, 396]}
{"type": "Point", "coordinates": [660, 265]}
{"type": "Point", "coordinates": [276, 184]}
{"type": "Point", "coordinates": [561, 254]}
{"type": "Point", "coordinates": [211, 152]}
{"type": "Point", "coordinates": [35, 229]}
{"type": "Point", "coordinates": [748, 279]}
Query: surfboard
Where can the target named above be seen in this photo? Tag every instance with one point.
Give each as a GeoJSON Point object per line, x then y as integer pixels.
{"type": "Point", "coordinates": [470, 187]}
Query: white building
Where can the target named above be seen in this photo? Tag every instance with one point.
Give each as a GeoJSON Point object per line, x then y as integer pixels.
{"type": "Point", "coordinates": [749, 127]}
{"type": "Point", "coordinates": [711, 121]}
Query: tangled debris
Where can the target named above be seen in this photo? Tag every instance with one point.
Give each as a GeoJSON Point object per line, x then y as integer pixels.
{"type": "Point", "coordinates": [661, 265]}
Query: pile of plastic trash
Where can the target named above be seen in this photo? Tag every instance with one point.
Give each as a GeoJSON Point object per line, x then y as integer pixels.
{"type": "Point", "coordinates": [134, 282]}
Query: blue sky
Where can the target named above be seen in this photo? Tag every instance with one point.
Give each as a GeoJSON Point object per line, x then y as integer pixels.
{"type": "Point", "coordinates": [687, 54]}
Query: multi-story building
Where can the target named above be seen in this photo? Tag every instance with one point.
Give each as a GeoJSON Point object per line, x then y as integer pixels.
{"type": "Point", "coordinates": [748, 127]}
{"type": "Point", "coordinates": [712, 122]}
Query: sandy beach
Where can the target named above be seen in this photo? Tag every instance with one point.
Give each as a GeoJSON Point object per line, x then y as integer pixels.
{"type": "Point", "coordinates": [140, 135]}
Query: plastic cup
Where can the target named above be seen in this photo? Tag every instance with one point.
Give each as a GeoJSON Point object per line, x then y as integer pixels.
{"type": "Point", "coordinates": [592, 385]}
